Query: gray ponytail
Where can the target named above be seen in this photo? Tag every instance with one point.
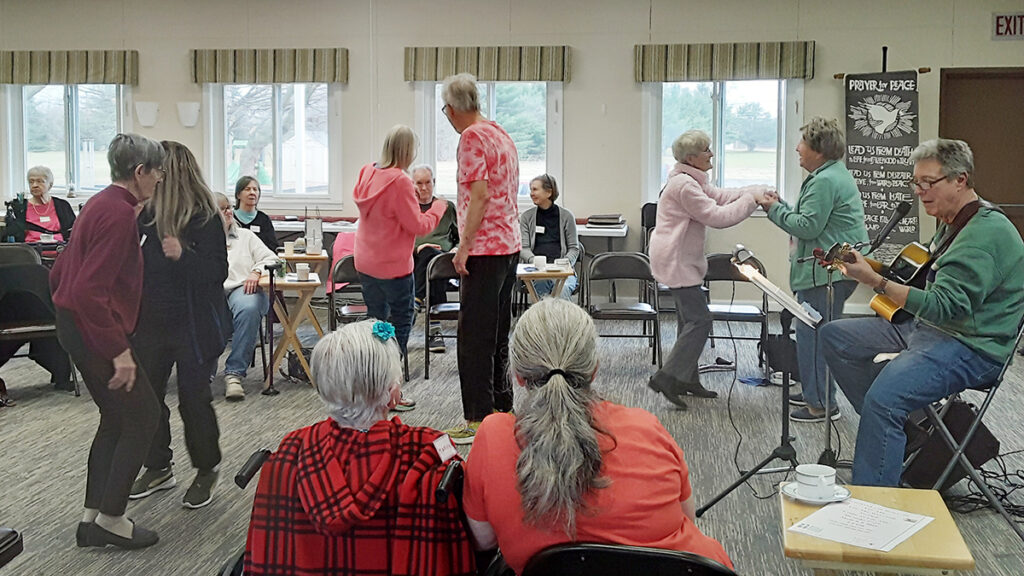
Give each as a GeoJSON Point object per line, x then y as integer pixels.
{"type": "Point", "coordinates": [553, 350]}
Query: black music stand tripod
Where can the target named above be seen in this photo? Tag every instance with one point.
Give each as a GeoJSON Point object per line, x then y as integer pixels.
{"type": "Point", "coordinates": [785, 363]}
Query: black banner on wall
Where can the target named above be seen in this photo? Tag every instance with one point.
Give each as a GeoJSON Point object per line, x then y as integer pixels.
{"type": "Point", "coordinates": [881, 132]}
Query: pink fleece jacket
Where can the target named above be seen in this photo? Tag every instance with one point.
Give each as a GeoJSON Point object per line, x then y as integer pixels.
{"type": "Point", "coordinates": [389, 222]}
{"type": "Point", "coordinates": [688, 205]}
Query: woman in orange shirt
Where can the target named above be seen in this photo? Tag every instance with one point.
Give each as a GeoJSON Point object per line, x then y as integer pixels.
{"type": "Point", "coordinates": [569, 466]}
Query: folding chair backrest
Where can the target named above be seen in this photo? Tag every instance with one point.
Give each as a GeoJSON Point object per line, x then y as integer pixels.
{"type": "Point", "coordinates": [620, 266]}
{"type": "Point", "coordinates": [614, 560]}
{"type": "Point", "coordinates": [1013, 351]}
{"type": "Point", "coordinates": [29, 278]}
{"type": "Point", "coordinates": [18, 254]}
{"type": "Point", "coordinates": [649, 215]}
{"type": "Point", "coordinates": [441, 267]}
{"type": "Point", "coordinates": [345, 271]}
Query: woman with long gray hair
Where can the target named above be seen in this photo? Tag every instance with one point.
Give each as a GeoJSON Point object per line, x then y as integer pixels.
{"type": "Point", "coordinates": [569, 466]}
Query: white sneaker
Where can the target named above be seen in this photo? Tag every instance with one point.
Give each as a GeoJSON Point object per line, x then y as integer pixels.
{"type": "Point", "coordinates": [233, 390]}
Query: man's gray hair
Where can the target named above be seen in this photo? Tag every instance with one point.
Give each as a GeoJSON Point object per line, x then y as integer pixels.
{"type": "Point", "coordinates": [41, 171]}
{"type": "Point", "coordinates": [690, 143]}
{"type": "Point", "coordinates": [127, 151]}
{"type": "Point", "coordinates": [459, 92]}
{"type": "Point", "coordinates": [355, 371]}
{"type": "Point", "coordinates": [955, 156]}
{"type": "Point", "coordinates": [422, 167]}
{"type": "Point", "coordinates": [560, 463]}
{"type": "Point", "coordinates": [825, 137]}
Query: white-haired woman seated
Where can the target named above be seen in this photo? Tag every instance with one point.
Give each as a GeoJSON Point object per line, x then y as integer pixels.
{"type": "Point", "coordinates": [357, 484]}
{"type": "Point", "coordinates": [569, 466]}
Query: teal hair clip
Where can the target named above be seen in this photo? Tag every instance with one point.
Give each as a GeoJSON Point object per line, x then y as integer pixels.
{"type": "Point", "coordinates": [383, 330]}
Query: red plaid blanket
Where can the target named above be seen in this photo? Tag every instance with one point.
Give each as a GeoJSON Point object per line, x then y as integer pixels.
{"type": "Point", "coordinates": [334, 500]}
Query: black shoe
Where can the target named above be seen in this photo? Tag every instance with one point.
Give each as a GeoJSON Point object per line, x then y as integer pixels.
{"type": "Point", "coordinates": [152, 480]}
{"type": "Point", "coordinates": [200, 493]}
{"type": "Point", "coordinates": [141, 538]}
{"type": "Point", "coordinates": [658, 385]}
{"type": "Point", "coordinates": [436, 345]}
{"type": "Point", "coordinates": [697, 389]}
{"type": "Point", "coordinates": [83, 535]}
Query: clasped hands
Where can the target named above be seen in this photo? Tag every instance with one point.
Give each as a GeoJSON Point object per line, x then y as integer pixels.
{"type": "Point", "coordinates": [766, 199]}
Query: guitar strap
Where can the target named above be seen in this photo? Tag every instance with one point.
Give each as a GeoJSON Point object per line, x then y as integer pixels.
{"type": "Point", "coordinates": [954, 228]}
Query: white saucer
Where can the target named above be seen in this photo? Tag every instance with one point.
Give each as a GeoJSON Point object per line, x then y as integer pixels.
{"type": "Point", "coordinates": [790, 490]}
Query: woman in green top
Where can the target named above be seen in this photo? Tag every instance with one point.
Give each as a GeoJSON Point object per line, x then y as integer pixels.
{"type": "Point", "coordinates": [829, 210]}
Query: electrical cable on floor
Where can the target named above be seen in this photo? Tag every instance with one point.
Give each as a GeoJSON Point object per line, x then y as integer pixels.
{"type": "Point", "coordinates": [1003, 483]}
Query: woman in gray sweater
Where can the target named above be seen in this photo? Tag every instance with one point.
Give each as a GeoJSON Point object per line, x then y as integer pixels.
{"type": "Point", "coordinates": [549, 230]}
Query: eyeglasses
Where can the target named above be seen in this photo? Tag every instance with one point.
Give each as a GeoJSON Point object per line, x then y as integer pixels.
{"type": "Point", "coordinates": [925, 185]}
{"type": "Point", "coordinates": [443, 108]}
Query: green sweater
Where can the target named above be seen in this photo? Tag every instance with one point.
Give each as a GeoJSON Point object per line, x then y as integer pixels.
{"type": "Point", "coordinates": [445, 234]}
{"type": "Point", "coordinates": [976, 292]}
{"type": "Point", "coordinates": [829, 210]}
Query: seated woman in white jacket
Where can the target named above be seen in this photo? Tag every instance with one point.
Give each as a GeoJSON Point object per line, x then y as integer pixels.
{"type": "Point", "coordinates": [549, 230]}
{"type": "Point", "coordinates": [247, 255]}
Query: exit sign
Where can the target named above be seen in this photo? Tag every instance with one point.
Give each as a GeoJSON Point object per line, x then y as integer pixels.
{"type": "Point", "coordinates": [1008, 26]}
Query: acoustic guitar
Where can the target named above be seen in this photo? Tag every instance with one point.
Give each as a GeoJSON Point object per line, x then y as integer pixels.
{"type": "Point", "coordinates": [909, 267]}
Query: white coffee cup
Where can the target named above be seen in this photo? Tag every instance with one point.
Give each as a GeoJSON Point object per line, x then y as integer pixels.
{"type": "Point", "coordinates": [302, 271]}
{"type": "Point", "coordinates": [289, 248]}
{"type": "Point", "coordinates": [540, 262]}
{"type": "Point", "coordinates": [816, 481]}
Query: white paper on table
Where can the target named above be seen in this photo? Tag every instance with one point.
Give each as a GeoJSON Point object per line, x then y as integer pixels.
{"type": "Point", "coordinates": [294, 277]}
{"type": "Point", "coordinates": [863, 524]}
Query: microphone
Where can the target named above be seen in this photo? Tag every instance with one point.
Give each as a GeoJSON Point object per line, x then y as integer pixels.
{"type": "Point", "coordinates": [901, 210]}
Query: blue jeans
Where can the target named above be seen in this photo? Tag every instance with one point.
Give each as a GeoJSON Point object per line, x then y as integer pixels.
{"type": "Point", "coordinates": [247, 311]}
{"type": "Point", "coordinates": [391, 300]}
{"type": "Point", "coordinates": [544, 287]}
{"type": "Point", "coordinates": [930, 366]}
{"type": "Point", "coordinates": [808, 352]}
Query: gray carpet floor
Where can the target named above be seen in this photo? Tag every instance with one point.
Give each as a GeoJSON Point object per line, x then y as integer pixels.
{"type": "Point", "coordinates": [44, 442]}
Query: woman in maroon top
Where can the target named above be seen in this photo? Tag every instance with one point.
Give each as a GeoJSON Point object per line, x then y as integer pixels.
{"type": "Point", "coordinates": [97, 288]}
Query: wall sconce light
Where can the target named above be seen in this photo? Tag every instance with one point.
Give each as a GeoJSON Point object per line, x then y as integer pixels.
{"type": "Point", "coordinates": [147, 113]}
{"type": "Point", "coordinates": [188, 113]}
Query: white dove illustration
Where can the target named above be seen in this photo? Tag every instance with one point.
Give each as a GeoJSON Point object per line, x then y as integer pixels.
{"type": "Point", "coordinates": [881, 118]}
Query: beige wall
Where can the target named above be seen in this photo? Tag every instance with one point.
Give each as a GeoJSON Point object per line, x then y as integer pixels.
{"type": "Point", "coordinates": [602, 119]}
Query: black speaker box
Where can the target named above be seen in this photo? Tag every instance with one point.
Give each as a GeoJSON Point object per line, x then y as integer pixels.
{"type": "Point", "coordinates": [934, 454]}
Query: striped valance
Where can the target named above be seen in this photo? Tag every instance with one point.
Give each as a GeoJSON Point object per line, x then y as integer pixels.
{"type": "Point", "coordinates": [712, 62]}
{"type": "Point", "coordinates": [270, 65]}
{"type": "Point", "coordinates": [69, 67]}
{"type": "Point", "coordinates": [489, 63]}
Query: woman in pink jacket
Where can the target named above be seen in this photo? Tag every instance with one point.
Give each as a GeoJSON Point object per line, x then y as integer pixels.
{"type": "Point", "coordinates": [389, 222]}
{"type": "Point", "coordinates": [688, 205]}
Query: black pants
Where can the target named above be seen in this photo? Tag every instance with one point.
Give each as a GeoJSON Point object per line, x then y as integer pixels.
{"type": "Point", "coordinates": [485, 315]}
{"type": "Point", "coordinates": [437, 287]}
{"type": "Point", "coordinates": [127, 423]}
{"type": "Point", "coordinates": [158, 353]}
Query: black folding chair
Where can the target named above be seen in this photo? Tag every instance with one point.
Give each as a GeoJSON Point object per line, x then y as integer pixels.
{"type": "Point", "coordinates": [722, 269]}
{"type": "Point", "coordinates": [935, 414]}
{"type": "Point", "coordinates": [440, 267]}
{"type": "Point", "coordinates": [344, 272]}
{"type": "Point", "coordinates": [584, 559]}
{"type": "Point", "coordinates": [611, 266]}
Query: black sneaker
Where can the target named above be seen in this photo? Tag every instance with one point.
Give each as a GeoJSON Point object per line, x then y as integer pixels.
{"type": "Point", "coordinates": [804, 415]}
{"type": "Point", "coordinates": [152, 480]}
{"type": "Point", "coordinates": [436, 345]}
{"type": "Point", "coordinates": [659, 385]}
{"type": "Point", "coordinates": [199, 494]}
{"type": "Point", "coordinates": [797, 399]}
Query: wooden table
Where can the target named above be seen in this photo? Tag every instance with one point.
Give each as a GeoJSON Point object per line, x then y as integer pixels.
{"type": "Point", "coordinates": [528, 274]}
{"type": "Point", "coordinates": [937, 549]}
{"type": "Point", "coordinates": [319, 264]}
{"type": "Point", "coordinates": [290, 324]}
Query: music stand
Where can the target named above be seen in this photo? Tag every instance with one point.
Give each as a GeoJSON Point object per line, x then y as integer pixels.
{"type": "Point", "coordinates": [778, 362]}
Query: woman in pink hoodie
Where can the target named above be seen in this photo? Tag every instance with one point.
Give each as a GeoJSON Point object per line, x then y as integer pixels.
{"type": "Point", "coordinates": [688, 205]}
{"type": "Point", "coordinates": [389, 222]}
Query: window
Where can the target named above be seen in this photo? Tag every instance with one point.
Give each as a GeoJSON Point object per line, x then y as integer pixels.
{"type": "Point", "coordinates": [68, 129]}
{"type": "Point", "coordinates": [745, 119]}
{"type": "Point", "coordinates": [279, 133]}
{"type": "Point", "coordinates": [529, 111]}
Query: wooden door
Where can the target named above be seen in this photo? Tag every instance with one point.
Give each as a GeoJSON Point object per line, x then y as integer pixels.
{"type": "Point", "coordinates": [985, 108]}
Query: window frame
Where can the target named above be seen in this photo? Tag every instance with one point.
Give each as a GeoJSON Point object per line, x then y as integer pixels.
{"type": "Point", "coordinates": [13, 153]}
{"type": "Point", "coordinates": [787, 177]}
{"type": "Point", "coordinates": [427, 103]}
{"type": "Point", "coordinates": [214, 143]}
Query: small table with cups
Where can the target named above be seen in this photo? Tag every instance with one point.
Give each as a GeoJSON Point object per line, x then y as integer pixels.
{"type": "Point", "coordinates": [559, 272]}
{"type": "Point", "coordinates": [290, 324]}
{"type": "Point", "coordinates": [316, 264]}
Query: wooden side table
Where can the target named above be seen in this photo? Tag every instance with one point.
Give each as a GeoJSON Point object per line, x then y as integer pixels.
{"type": "Point", "coordinates": [559, 275]}
{"type": "Point", "coordinates": [319, 264]}
{"type": "Point", "coordinates": [938, 548]}
{"type": "Point", "coordinates": [290, 324]}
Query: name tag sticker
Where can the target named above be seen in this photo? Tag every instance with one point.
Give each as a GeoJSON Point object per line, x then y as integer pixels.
{"type": "Point", "coordinates": [443, 445]}
{"type": "Point", "coordinates": [255, 229]}
{"type": "Point", "coordinates": [46, 237]}
{"type": "Point", "coordinates": [44, 218]}
{"type": "Point", "coordinates": [540, 229]}
{"type": "Point", "coordinates": [142, 242]}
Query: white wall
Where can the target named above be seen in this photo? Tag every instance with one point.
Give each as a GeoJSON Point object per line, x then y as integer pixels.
{"type": "Point", "coordinates": [602, 119]}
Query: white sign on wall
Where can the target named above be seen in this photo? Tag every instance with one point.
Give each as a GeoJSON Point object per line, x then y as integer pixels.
{"type": "Point", "coordinates": [1008, 26]}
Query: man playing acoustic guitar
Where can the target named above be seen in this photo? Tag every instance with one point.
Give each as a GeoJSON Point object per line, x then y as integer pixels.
{"type": "Point", "coordinates": [965, 318]}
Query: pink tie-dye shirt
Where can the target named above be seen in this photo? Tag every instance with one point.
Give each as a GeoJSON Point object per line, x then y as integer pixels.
{"type": "Point", "coordinates": [486, 152]}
